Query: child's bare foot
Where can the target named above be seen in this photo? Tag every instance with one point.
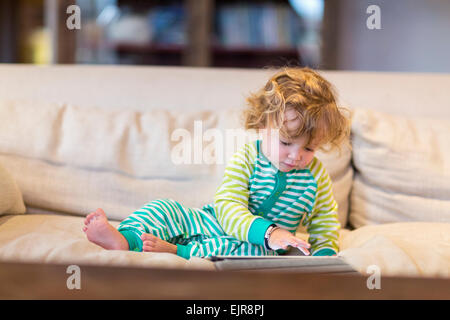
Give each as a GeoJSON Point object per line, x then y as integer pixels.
{"type": "Point", "coordinates": [151, 243]}
{"type": "Point", "coordinates": [99, 231]}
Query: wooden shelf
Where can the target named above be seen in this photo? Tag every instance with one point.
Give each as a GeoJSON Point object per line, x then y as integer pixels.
{"type": "Point", "coordinates": [221, 56]}
{"type": "Point", "coordinates": [162, 48]}
{"type": "Point", "coordinates": [255, 50]}
{"type": "Point", "coordinates": [146, 48]}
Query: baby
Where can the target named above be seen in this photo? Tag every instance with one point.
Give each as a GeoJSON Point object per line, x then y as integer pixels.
{"type": "Point", "coordinates": [269, 186]}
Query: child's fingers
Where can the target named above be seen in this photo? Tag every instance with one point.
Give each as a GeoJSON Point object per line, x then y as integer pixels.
{"type": "Point", "coordinates": [148, 237]}
{"type": "Point", "coordinates": [299, 245]}
{"type": "Point", "coordinates": [302, 243]}
{"type": "Point", "coordinates": [284, 244]}
{"type": "Point", "coordinates": [305, 251]}
{"type": "Point", "coordinates": [291, 242]}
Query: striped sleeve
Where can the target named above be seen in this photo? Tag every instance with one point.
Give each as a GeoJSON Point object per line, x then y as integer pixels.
{"type": "Point", "coordinates": [323, 223]}
{"type": "Point", "coordinates": [231, 198]}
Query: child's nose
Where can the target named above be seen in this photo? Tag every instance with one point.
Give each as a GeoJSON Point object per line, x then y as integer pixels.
{"type": "Point", "coordinates": [297, 155]}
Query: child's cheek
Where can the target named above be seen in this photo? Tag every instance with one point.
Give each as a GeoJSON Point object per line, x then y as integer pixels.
{"type": "Point", "coordinates": [310, 158]}
{"type": "Point", "coordinates": [283, 153]}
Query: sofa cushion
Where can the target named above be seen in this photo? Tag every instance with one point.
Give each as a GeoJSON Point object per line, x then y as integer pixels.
{"type": "Point", "coordinates": [11, 201]}
{"type": "Point", "coordinates": [74, 159]}
{"type": "Point", "coordinates": [44, 238]}
{"type": "Point", "coordinates": [402, 169]}
{"type": "Point", "coordinates": [408, 249]}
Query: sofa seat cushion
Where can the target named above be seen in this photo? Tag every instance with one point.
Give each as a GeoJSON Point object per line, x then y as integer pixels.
{"type": "Point", "coordinates": [43, 238]}
{"type": "Point", "coordinates": [409, 249]}
{"type": "Point", "coordinates": [49, 238]}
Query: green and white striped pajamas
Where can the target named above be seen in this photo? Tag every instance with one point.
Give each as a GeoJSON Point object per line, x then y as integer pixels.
{"type": "Point", "coordinates": [253, 195]}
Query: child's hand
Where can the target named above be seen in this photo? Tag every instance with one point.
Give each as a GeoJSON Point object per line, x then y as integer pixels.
{"type": "Point", "coordinates": [281, 239]}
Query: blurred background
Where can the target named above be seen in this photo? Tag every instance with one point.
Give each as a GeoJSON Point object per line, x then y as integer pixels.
{"type": "Point", "coordinates": [325, 34]}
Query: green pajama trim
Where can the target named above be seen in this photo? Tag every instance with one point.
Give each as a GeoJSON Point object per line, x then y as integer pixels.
{"type": "Point", "coordinates": [183, 251]}
{"type": "Point", "coordinates": [134, 241]}
{"type": "Point", "coordinates": [258, 230]}
{"type": "Point", "coordinates": [324, 252]}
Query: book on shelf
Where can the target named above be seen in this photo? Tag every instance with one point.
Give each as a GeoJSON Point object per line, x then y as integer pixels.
{"type": "Point", "coordinates": [168, 24]}
{"type": "Point", "coordinates": [261, 25]}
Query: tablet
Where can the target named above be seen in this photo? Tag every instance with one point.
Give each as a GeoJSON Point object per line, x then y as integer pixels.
{"type": "Point", "coordinates": [306, 264]}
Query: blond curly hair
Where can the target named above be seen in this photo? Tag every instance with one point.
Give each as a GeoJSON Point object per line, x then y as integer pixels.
{"type": "Point", "coordinates": [313, 99]}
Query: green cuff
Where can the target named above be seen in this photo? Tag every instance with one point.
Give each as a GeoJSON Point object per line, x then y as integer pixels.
{"type": "Point", "coordinates": [324, 252]}
{"type": "Point", "coordinates": [258, 230]}
{"type": "Point", "coordinates": [134, 241]}
{"type": "Point", "coordinates": [183, 251]}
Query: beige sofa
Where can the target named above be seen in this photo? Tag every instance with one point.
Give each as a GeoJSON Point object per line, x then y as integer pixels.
{"type": "Point", "coordinates": [74, 138]}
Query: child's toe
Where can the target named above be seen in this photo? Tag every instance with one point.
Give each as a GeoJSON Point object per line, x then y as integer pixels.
{"type": "Point", "coordinates": [100, 211]}
{"type": "Point", "coordinates": [89, 218]}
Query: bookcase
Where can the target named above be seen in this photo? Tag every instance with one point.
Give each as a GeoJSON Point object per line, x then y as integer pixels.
{"type": "Point", "coordinates": [218, 33]}
{"type": "Point", "coordinates": [255, 34]}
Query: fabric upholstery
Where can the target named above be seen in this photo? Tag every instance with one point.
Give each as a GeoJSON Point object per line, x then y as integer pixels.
{"type": "Point", "coordinates": [402, 169]}
{"type": "Point", "coordinates": [119, 160]}
{"type": "Point", "coordinates": [11, 201]}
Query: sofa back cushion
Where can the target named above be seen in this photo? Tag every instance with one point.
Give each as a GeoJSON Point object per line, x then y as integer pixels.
{"type": "Point", "coordinates": [402, 169]}
{"type": "Point", "coordinates": [145, 88]}
{"type": "Point", "coordinates": [74, 159]}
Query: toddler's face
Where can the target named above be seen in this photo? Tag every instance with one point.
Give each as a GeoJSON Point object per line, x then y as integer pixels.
{"type": "Point", "coordinates": [286, 154]}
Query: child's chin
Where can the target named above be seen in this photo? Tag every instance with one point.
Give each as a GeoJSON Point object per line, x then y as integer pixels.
{"type": "Point", "coordinates": [285, 168]}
